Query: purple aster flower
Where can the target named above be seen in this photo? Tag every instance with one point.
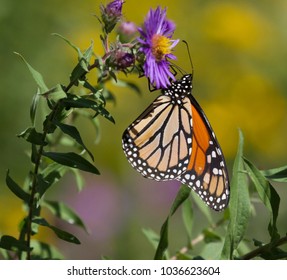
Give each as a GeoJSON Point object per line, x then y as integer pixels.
{"type": "Point", "coordinates": [157, 46]}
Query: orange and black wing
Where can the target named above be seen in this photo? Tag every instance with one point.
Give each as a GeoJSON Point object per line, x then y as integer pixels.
{"type": "Point", "coordinates": [206, 172]}
{"type": "Point", "coordinates": [172, 139]}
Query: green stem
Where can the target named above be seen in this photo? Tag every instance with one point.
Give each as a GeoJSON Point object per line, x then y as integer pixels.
{"type": "Point", "coordinates": [197, 239]}
{"type": "Point", "coordinates": [32, 202]}
{"type": "Point", "coordinates": [267, 247]}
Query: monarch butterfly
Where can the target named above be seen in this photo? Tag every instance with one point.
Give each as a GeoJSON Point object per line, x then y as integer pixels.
{"type": "Point", "coordinates": [173, 140]}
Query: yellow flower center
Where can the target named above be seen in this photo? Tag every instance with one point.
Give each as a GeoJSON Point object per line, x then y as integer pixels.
{"type": "Point", "coordinates": [161, 46]}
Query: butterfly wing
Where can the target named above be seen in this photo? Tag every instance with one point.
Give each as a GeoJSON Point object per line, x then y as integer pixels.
{"type": "Point", "coordinates": [206, 173]}
{"type": "Point", "coordinates": [172, 139]}
{"type": "Point", "coordinates": [158, 143]}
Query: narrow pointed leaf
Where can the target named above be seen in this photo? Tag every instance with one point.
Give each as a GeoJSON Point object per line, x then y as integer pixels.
{"type": "Point", "coordinates": [87, 56]}
{"type": "Point", "coordinates": [36, 75]}
{"type": "Point", "coordinates": [62, 211]}
{"type": "Point", "coordinates": [80, 55]}
{"type": "Point", "coordinates": [151, 236]}
{"type": "Point", "coordinates": [202, 207]}
{"type": "Point", "coordinates": [276, 174]}
{"type": "Point", "coordinates": [32, 136]}
{"type": "Point", "coordinates": [79, 179]}
{"type": "Point", "coordinates": [81, 102]}
{"type": "Point", "coordinates": [64, 235]}
{"type": "Point", "coordinates": [11, 243]}
{"type": "Point", "coordinates": [187, 216]}
{"type": "Point", "coordinates": [56, 93]}
{"type": "Point", "coordinates": [84, 58]}
{"type": "Point", "coordinates": [239, 205]}
{"type": "Point", "coordinates": [267, 194]}
{"type": "Point", "coordinates": [181, 196]}
{"type": "Point", "coordinates": [72, 160]}
{"type": "Point", "coordinates": [16, 189]}
{"type": "Point", "coordinates": [73, 132]}
{"type": "Point", "coordinates": [34, 106]}
{"type": "Point", "coordinates": [50, 176]}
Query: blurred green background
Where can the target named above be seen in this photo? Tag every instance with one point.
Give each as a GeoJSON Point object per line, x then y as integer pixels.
{"type": "Point", "coordinates": [239, 53]}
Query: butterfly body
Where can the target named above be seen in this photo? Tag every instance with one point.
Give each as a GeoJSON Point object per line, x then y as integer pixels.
{"type": "Point", "coordinates": [173, 140]}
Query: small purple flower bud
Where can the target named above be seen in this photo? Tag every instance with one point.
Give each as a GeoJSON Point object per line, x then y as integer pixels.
{"type": "Point", "coordinates": [111, 14]}
{"type": "Point", "coordinates": [124, 60]}
{"type": "Point", "coordinates": [128, 28]}
{"type": "Point", "coordinates": [114, 9]}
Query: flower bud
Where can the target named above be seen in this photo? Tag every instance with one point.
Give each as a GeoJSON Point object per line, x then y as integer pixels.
{"type": "Point", "coordinates": [111, 14]}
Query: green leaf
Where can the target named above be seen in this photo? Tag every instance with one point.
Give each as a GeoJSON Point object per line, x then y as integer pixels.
{"type": "Point", "coordinates": [4, 254]}
{"type": "Point", "coordinates": [16, 189]}
{"type": "Point", "coordinates": [210, 236]}
{"type": "Point", "coordinates": [113, 75]}
{"type": "Point", "coordinates": [181, 196]}
{"type": "Point", "coordinates": [202, 207]}
{"type": "Point", "coordinates": [60, 233]}
{"type": "Point", "coordinates": [97, 127]}
{"type": "Point", "coordinates": [32, 136]}
{"type": "Point", "coordinates": [278, 174]}
{"type": "Point", "coordinates": [72, 160]}
{"type": "Point", "coordinates": [211, 251]}
{"type": "Point", "coordinates": [152, 236]}
{"type": "Point", "coordinates": [84, 61]}
{"type": "Point", "coordinates": [36, 75]}
{"type": "Point", "coordinates": [161, 249]}
{"type": "Point", "coordinates": [83, 58]}
{"type": "Point", "coordinates": [239, 205]}
{"type": "Point", "coordinates": [69, 43]}
{"type": "Point", "coordinates": [79, 179]}
{"type": "Point", "coordinates": [267, 194]}
{"type": "Point", "coordinates": [8, 242]}
{"type": "Point", "coordinates": [187, 215]}
{"type": "Point", "coordinates": [62, 211]}
{"type": "Point", "coordinates": [81, 102]}
{"type": "Point", "coordinates": [56, 93]}
{"type": "Point", "coordinates": [34, 106]}
{"type": "Point", "coordinates": [44, 251]}
{"type": "Point", "coordinates": [83, 66]}
{"type": "Point", "coordinates": [74, 133]}
{"type": "Point", "coordinates": [96, 93]}
{"type": "Point", "coordinates": [50, 176]}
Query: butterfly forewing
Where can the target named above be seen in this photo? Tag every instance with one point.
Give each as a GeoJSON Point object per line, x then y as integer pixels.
{"type": "Point", "coordinates": [157, 144]}
{"type": "Point", "coordinates": [172, 139]}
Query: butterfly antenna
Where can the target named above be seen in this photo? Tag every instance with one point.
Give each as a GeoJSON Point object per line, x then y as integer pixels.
{"type": "Point", "coordinates": [187, 47]}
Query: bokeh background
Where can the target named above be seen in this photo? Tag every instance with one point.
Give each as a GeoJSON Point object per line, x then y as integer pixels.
{"type": "Point", "coordinates": [239, 53]}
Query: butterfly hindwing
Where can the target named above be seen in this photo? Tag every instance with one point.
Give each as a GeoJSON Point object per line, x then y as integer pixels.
{"type": "Point", "coordinates": [206, 173]}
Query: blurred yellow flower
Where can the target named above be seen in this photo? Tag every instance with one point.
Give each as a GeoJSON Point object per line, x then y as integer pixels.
{"type": "Point", "coordinates": [237, 26]}
{"type": "Point", "coordinates": [256, 106]}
